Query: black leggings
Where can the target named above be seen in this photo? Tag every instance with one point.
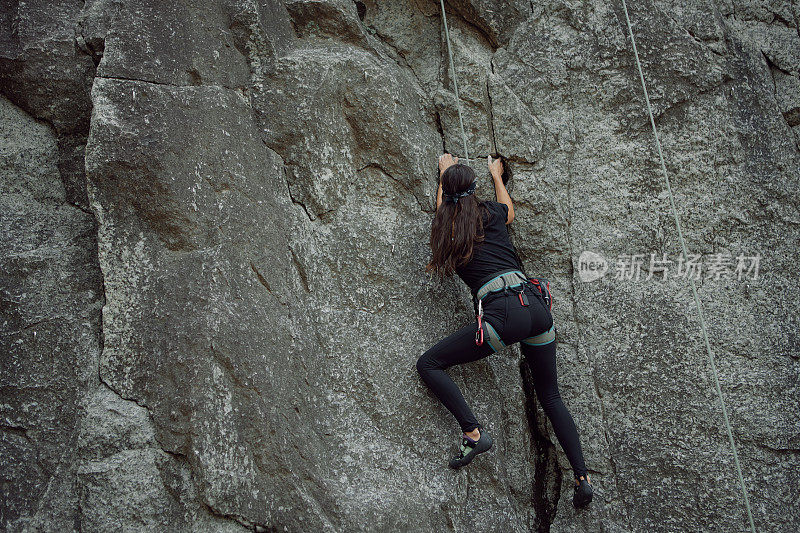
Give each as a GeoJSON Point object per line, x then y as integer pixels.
{"type": "Point", "coordinates": [513, 323]}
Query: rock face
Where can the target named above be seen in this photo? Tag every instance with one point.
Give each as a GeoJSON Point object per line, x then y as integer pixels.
{"type": "Point", "coordinates": [213, 294]}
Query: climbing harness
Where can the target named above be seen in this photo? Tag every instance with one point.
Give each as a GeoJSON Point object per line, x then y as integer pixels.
{"type": "Point", "coordinates": [509, 281]}
{"type": "Point", "coordinates": [691, 279]}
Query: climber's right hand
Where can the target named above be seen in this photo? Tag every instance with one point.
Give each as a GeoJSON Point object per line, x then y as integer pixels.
{"type": "Point", "coordinates": [495, 167]}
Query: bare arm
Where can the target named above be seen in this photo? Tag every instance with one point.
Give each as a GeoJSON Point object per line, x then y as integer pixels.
{"type": "Point", "coordinates": [445, 161]}
{"type": "Point", "coordinates": [496, 169]}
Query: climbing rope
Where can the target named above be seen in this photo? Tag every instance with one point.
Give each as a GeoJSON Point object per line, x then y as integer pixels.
{"type": "Point", "coordinates": [691, 279]}
{"type": "Point", "coordinates": [455, 85]}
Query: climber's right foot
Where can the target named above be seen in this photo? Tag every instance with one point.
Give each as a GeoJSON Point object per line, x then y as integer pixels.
{"type": "Point", "coordinates": [582, 492]}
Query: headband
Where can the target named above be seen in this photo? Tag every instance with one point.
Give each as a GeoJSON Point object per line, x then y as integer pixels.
{"type": "Point", "coordinates": [454, 197]}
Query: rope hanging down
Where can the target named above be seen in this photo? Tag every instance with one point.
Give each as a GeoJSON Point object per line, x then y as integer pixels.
{"type": "Point", "coordinates": [691, 279]}
{"type": "Point", "coordinates": [455, 85]}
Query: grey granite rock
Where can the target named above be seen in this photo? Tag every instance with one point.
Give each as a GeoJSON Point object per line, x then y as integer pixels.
{"type": "Point", "coordinates": [50, 296]}
{"type": "Point", "coordinates": [213, 293]}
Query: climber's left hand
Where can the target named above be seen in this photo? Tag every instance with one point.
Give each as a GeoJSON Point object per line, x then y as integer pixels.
{"type": "Point", "coordinates": [445, 161]}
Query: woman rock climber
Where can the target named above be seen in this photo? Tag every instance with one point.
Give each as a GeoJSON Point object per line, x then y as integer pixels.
{"type": "Point", "coordinates": [469, 237]}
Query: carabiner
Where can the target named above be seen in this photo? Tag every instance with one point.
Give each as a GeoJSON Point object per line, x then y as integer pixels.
{"type": "Point", "coordinates": [479, 333]}
{"type": "Point", "coordinates": [523, 298]}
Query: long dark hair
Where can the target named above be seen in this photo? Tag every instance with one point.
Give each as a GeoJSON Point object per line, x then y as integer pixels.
{"type": "Point", "coordinates": [456, 227]}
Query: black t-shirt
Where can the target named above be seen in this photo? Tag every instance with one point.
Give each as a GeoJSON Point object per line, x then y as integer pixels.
{"type": "Point", "coordinates": [495, 254]}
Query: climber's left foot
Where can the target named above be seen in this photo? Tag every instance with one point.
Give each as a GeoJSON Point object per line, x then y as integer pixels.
{"type": "Point", "coordinates": [471, 448]}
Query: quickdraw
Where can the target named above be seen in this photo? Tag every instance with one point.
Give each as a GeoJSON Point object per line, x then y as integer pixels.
{"type": "Point", "coordinates": [543, 286]}
{"type": "Point", "coordinates": [479, 333]}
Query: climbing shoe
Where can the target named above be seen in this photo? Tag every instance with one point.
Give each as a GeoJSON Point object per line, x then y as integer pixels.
{"type": "Point", "coordinates": [582, 492]}
{"type": "Point", "coordinates": [470, 448]}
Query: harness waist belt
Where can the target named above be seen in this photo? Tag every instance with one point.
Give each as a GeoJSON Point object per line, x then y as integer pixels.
{"type": "Point", "coordinates": [505, 280]}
